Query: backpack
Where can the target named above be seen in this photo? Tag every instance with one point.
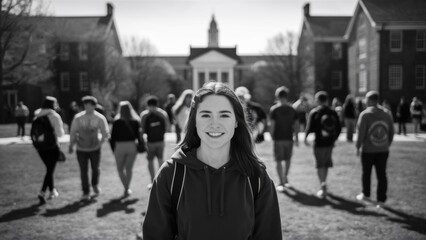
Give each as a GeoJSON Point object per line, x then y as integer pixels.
{"type": "Point", "coordinates": [42, 134]}
{"type": "Point", "coordinates": [179, 178]}
{"type": "Point", "coordinates": [329, 125]}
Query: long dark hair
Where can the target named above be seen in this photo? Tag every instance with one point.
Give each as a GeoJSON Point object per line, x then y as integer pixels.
{"type": "Point", "coordinates": [242, 146]}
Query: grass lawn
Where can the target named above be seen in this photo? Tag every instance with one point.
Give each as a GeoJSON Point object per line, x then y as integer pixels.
{"type": "Point", "coordinates": [303, 215]}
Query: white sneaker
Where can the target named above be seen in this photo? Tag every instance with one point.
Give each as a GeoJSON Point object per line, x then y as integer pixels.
{"type": "Point", "coordinates": [321, 193]}
{"type": "Point", "coordinates": [128, 192]}
{"type": "Point", "coordinates": [280, 188]}
{"type": "Point", "coordinates": [380, 204]}
{"type": "Point", "coordinates": [362, 197]}
{"type": "Point", "coordinates": [53, 194]}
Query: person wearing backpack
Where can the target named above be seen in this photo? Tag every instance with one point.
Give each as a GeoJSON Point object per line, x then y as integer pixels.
{"type": "Point", "coordinates": [154, 123]}
{"type": "Point", "coordinates": [46, 128]}
{"type": "Point", "coordinates": [325, 123]}
{"type": "Point", "coordinates": [84, 133]}
{"type": "Point", "coordinates": [223, 189]}
{"type": "Point", "coordinates": [375, 135]}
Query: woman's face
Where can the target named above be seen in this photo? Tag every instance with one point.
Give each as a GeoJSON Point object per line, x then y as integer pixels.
{"type": "Point", "coordinates": [215, 121]}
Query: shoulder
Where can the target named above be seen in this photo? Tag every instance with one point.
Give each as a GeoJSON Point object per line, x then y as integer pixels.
{"type": "Point", "coordinates": [161, 111]}
{"type": "Point", "coordinates": [80, 114]}
{"type": "Point", "coordinates": [99, 116]}
{"type": "Point", "coordinates": [273, 108]}
{"type": "Point", "coordinates": [144, 113]}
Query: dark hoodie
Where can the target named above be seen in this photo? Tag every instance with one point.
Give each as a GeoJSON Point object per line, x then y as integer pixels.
{"type": "Point", "coordinates": [215, 204]}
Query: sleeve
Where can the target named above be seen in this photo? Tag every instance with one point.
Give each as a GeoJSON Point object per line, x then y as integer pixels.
{"type": "Point", "coordinates": [160, 221]}
{"type": "Point", "coordinates": [73, 132]}
{"type": "Point", "coordinates": [362, 129]}
{"type": "Point", "coordinates": [143, 121]}
{"type": "Point", "coordinates": [309, 124]}
{"type": "Point", "coordinates": [267, 213]}
{"type": "Point", "coordinates": [391, 129]}
{"type": "Point", "coordinates": [104, 128]}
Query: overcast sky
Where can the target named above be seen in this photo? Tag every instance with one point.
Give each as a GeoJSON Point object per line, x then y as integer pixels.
{"type": "Point", "coordinates": [172, 26]}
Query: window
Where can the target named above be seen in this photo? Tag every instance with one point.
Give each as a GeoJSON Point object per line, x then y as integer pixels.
{"type": "Point", "coordinates": [42, 48]}
{"type": "Point", "coordinates": [65, 81]}
{"type": "Point", "coordinates": [201, 79]}
{"type": "Point", "coordinates": [64, 52]}
{"type": "Point", "coordinates": [84, 81]}
{"type": "Point", "coordinates": [421, 41]}
{"type": "Point", "coordinates": [225, 77]}
{"type": "Point", "coordinates": [420, 76]}
{"type": "Point", "coordinates": [395, 41]}
{"type": "Point", "coordinates": [336, 51]}
{"type": "Point", "coordinates": [362, 79]}
{"type": "Point", "coordinates": [362, 48]}
{"type": "Point", "coordinates": [83, 51]}
{"type": "Point", "coordinates": [212, 76]}
{"type": "Point", "coordinates": [395, 77]}
{"type": "Point", "coordinates": [336, 79]}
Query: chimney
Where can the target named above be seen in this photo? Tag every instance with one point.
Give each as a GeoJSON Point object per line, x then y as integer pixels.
{"type": "Point", "coordinates": [306, 9]}
{"type": "Point", "coordinates": [110, 9]}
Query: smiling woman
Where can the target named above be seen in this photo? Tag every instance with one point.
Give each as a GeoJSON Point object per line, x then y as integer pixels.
{"type": "Point", "coordinates": [218, 198]}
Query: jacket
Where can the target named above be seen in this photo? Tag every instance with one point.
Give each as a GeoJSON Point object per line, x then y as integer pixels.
{"type": "Point", "coordinates": [214, 204]}
{"type": "Point", "coordinates": [54, 118]}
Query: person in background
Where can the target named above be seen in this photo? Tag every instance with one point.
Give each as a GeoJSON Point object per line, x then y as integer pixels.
{"type": "Point", "coordinates": [124, 133]}
{"type": "Point", "coordinates": [255, 114]}
{"type": "Point", "coordinates": [375, 135]}
{"type": "Point", "coordinates": [50, 156]}
{"type": "Point", "coordinates": [217, 200]}
{"type": "Point", "coordinates": [283, 118]}
{"type": "Point", "coordinates": [171, 100]}
{"type": "Point", "coordinates": [180, 111]}
{"type": "Point", "coordinates": [349, 117]}
{"type": "Point", "coordinates": [72, 111]}
{"type": "Point", "coordinates": [402, 115]}
{"type": "Point", "coordinates": [84, 133]}
{"type": "Point", "coordinates": [154, 123]}
{"type": "Point", "coordinates": [302, 108]}
{"type": "Point", "coordinates": [325, 123]}
{"type": "Point", "coordinates": [21, 115]}
{"type": "Point", "coordinates": [416, 110]}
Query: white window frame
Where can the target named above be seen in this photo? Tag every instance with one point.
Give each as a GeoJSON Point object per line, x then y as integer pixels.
{"type": "Point", "coordinates": [337, 51]}
{"type": "Point", "coordinates": [83, 51]}
{"type": "Point", "coordinates": [84, 81]}
{"type": "Point", "coordinates": [362, 79]}
{"type": "Point", "coordinates": [395, 37]}
{"type": "Point", "coordinates": [421, 40]}
{"type": "Point", "coordinates": [64, 81]}
{"type": "Point", "coordinates": [362, 48]}
{"type": "Point", "coordinates": [395, 77]}
{"type": "Point", "coordinates": [420, 74]}
{"type": "Point", "coordinates": [64, 51]}
{"type": "Point", "coordinates": [336, 77]}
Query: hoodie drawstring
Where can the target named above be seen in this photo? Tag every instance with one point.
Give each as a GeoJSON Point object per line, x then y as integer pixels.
{"type": "Point", "coordinates": [222, 193]}
{"type": "Point", "coordinates": [209, 199]}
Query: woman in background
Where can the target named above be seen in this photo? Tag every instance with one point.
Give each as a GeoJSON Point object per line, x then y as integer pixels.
{"type": "Point", "coordinates": [181, 110]}
{"type": "Point", "coordinates": [124, 134]}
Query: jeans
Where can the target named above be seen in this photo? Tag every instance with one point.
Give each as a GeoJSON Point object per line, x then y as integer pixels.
{"type": "Point", "coordinates": [83, 161]}
{"type": "Point", "coordinates": [21, 125]}
{"type": "Point", "coordinates": [350, 128]}
{"type": "Point", "coordinates": [49, 158]}
{"type": "Point", "coordinates": [379, 161]}
{"type": "Point", "coordinates": [401, 127]}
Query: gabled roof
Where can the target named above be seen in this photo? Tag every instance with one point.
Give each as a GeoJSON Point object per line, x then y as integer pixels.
{"type": "Point", "coordinates": [391, 14]}
{"type": "Point", "coordinates": [327, 26]}
{"type": "Point", "coordinates": [230, 52]}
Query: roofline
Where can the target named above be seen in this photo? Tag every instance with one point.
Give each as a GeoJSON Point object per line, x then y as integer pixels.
{"type": "Point", "coordinates": [420, 25]}
{"type": "Point", "coordinates": [330, 39]}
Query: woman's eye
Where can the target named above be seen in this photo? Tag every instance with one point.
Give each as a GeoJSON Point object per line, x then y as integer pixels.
{"type": "Point", "coordinates": [205, 115]}
{"type": "Point", "coordinates": [225, 116]}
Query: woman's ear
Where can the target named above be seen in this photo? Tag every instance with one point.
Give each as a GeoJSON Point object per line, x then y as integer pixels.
{"type": "Point", "coordinates": [236, 124]}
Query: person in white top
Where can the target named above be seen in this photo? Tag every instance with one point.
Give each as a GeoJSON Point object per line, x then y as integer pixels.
{"type": "Point", "coordinates": [181, 109]}
{"type": "Point", "coordinates": [84, 133]}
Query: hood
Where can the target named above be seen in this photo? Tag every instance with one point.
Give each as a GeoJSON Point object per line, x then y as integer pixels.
{"type": "Point", "coordinates": [43, 112]}
{"type": "Point", "coordinates": [190, 160]}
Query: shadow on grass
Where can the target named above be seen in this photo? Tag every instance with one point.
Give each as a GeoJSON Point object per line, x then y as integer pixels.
{"type": "Point", "coordinates": [116, 205]}
{"type": "Point", "coordinates": [332, 200]}
{"type": "Point", "coordinates": [21, 213]}
{"type": "Point", "coordinates": [410, 222]}
{"type": "Point", "coordinates": [68, 209]}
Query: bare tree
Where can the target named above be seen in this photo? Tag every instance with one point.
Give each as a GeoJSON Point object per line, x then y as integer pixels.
{"type": "Point", "coordinates": [150, 74]}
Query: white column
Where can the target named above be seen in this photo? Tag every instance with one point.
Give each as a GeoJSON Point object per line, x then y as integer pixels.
{"type": "Point", "coordinates": [194, 79]}
{"type": "Point", "coordinates": [231, 77]}
{"type": "Point", "coordinates": [219, 75]}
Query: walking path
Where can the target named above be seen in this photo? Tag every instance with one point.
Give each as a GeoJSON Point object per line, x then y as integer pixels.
{"type": "Point", "coordinates": [171, 137]}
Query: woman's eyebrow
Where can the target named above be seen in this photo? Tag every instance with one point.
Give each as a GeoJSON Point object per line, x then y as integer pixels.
{"type": "Point", "coordinates": [208, 111]}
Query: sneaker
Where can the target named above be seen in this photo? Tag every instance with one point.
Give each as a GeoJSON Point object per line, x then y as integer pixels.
{"type": "Point", "coordinates": [149, 186]}
{"type": "Point", "coordinates": [380, 204]}
{"type": "Point", "coordinates": [280, 188]}
{"type": "Point", "coordinates": [97, 190]}
{"type": "Point", "coordinates": [127, 192]}
{"type": "Point", "coordinates": [85, 197]}
{"type": "Point", "coordinates": [53, 194]}
{"type": "Point", "coordinates": [287, 185]}
{"type": "Point", "coordinates": [321, 193]}
{"type": "Point", "coordinates": [41, 198]}
{"type": "Point", "coordinates": [362, 197]}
